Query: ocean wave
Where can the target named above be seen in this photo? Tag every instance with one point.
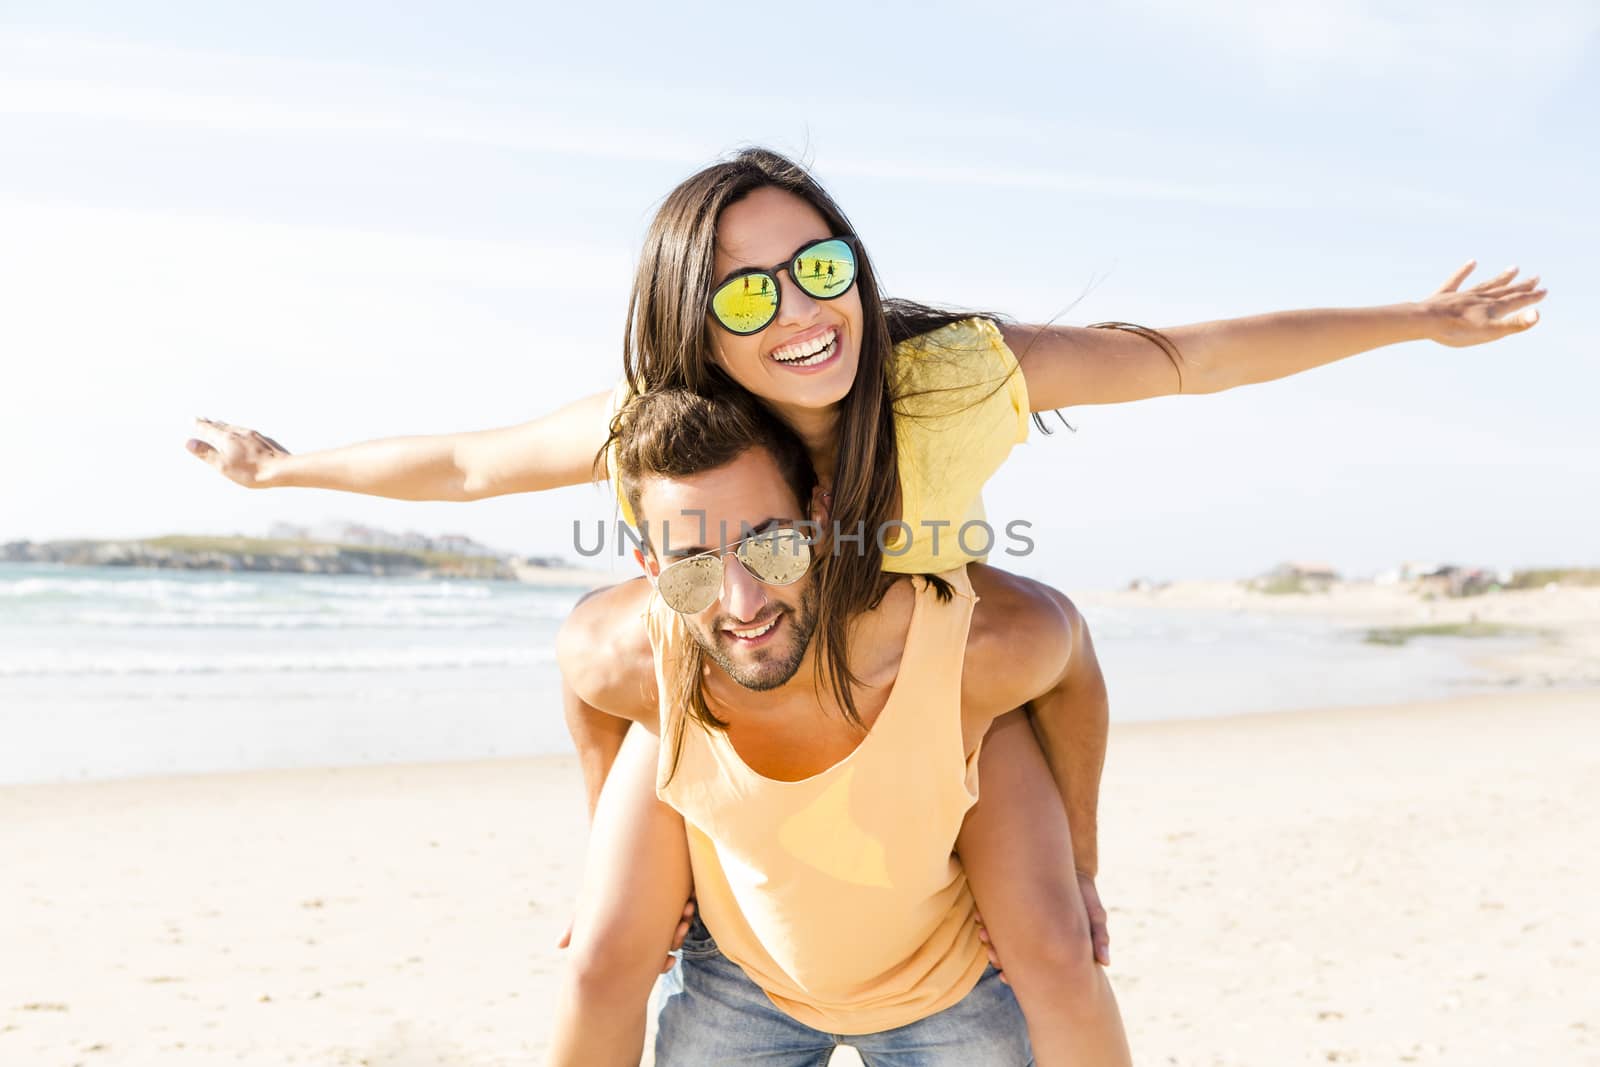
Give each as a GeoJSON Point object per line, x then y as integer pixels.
{"type": "Point", "coordinates": [58, 662]}
{"type": "Point", "coordinates": [210, 588]}
{"type": "Point", "coordinates": [289, 620]}
{"type": "Point", "coordinates": [140, 588]}
{"type": "Point", "coordinates": [435, 590]}
{"type": "Point", "coordinates": [295, 604]}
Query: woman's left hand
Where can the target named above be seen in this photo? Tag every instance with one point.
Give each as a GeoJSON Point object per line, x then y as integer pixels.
{"type": "Point", "coordinates": [1486, 312]}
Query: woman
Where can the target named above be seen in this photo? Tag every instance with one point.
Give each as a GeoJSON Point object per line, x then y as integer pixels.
{"type": "Point", "coordinates": [906, 411]}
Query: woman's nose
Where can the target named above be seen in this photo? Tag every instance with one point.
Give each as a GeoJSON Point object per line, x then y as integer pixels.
{"type": "Point", "coordinates": [798, 307]}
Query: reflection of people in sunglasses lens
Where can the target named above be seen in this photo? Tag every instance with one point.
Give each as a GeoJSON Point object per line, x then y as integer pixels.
{"type": "Point", "coordinates": [907, 411]}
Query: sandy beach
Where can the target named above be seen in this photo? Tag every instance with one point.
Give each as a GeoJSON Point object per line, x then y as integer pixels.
{"type": "Point", "coordinates": [1386, 886]}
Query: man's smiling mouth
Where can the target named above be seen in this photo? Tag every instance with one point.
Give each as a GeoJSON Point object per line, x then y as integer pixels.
{"type": "Point", "coordinates": [755, 633]}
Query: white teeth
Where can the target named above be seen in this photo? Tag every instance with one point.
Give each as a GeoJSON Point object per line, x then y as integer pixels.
{"type": "Point", "coordinates": [808, 353]}
{"type": "Point", "coordinates": [810, 361]}
{"type": "Point", "coordinates": [748, 634]}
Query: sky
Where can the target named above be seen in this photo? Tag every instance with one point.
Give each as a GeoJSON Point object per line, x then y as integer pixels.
{"type": "Point", "coordinates": [333, 223]}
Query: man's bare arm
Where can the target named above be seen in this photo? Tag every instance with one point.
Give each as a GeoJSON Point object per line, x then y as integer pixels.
{"type": "Point", "coordinates": [1072, 721]}
{"type": "Point", "coordinates": [607, 678]}
{"type": "Point", "coordinates": [598, 738]}
{"type": "Point", "coordinates": [1030, 647]}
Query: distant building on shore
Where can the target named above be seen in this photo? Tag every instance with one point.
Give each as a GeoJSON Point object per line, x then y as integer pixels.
{"type": "Point", "coordinates": [1453, 581]}
{"type": "Point", "coordinates": [1409, 571]}
{"type": "Point", "coordinates": [1297, 576]}
{"type": "Point", "coordinates": [462, 545]}
{"type": "Point", "coordinates": [1307, 572]}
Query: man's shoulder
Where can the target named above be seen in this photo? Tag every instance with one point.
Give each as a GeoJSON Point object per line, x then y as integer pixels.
{"type": "Point", "coordinates": [632, 594]}
{"type": "Point", "coordinates": [1010, 608]}
{"type": "Point", "coordinates": [1020, 638]}
{"type": "Point", "coordinates": [604, 650]}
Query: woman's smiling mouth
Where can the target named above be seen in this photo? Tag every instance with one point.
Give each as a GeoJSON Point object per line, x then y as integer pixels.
{"type": "Point", "coordinates": [811, 352]}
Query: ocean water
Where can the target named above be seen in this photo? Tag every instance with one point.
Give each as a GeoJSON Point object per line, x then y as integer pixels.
{"type": "Point", "coordinates": [111, 672]}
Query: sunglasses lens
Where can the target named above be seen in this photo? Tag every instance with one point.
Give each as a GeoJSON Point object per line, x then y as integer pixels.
{"type": "Point", "coordinates": [747, 303]}
{"type": "Point", "coordinates": [777, 558]}
{"type": "Point", "coordinates": [690, 585]}
{"type": "Point", "coordinates": [825, 270]}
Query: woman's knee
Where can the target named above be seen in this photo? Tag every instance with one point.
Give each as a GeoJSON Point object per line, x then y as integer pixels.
{"type": "Point", "coordinates": [1057, 954]}
{"type": "Point", "coordinates": [615, 959]}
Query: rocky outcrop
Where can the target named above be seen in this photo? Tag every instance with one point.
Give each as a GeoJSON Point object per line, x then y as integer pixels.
{"type": "Point", "coordinates": [249, 554]}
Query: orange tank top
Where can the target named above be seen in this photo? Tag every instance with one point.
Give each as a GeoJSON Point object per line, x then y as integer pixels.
{"type": "Point", "coordinates": [840, 895]}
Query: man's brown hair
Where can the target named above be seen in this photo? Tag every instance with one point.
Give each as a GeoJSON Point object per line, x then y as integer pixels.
{"type": "Point", "coordinates": [675, 433]}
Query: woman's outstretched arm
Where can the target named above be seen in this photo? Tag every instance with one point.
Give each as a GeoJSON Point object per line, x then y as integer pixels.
{"type": "Point", "coordinates": [547, 453]}
{"type": "Point", "coordinates": [1066, 366]}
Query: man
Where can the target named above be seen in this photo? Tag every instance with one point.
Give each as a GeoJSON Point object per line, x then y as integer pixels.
{"type": "Point", "coordinates": [821, 848]}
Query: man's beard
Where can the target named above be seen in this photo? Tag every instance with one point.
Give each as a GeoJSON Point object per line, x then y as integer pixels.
{"type": "Point", "coordinates": [774, 667]}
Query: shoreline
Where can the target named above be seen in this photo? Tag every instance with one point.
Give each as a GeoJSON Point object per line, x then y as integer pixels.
{"type": "Point", "coordinates": [557, 762]}
{"type": "Point", "coordinates": [1558, 626]}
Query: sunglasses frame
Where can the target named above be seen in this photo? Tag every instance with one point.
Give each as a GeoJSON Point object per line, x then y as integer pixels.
{"type": "Point", "coordinates": [849, 241]}
{"type": "Point", "coordinates": [734, 548]}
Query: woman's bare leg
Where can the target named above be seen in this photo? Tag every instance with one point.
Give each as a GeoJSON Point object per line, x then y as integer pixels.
{"type": "Point", "coordinates": [1017, 851]}
{"type": "Point", "coordinates": [635, 882]}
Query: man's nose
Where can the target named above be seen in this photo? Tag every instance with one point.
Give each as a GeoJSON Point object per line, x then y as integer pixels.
{"type": "Point", "coordinates": [742, 596]}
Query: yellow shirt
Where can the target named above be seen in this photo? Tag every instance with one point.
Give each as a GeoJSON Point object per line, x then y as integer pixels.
{"type": "Point", "coordinates": [960, 405]}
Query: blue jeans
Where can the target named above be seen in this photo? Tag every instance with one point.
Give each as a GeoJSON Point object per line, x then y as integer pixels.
{"type": "Point", "coordinates": [709, 1013]}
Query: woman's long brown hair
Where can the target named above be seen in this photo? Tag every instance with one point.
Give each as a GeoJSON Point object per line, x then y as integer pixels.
{"type": "Point", "coordinates": [668, 344]}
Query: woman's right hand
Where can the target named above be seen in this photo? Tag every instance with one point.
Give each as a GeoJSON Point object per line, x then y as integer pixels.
{"type": "Point", "coordinates": [239, 455]}
{"type": "Point", "coordinates": [545, 453]}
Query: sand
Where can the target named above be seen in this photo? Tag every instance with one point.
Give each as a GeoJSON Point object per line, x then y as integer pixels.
{"type": "Point", "coordinates": [1384, 886]}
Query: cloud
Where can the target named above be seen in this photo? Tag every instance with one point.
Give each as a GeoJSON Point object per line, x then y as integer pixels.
{"type": "Point", "coordinates": [66, 78]}
{"type": "Point", "coordinates": [242, 113]}
{"type": "Point", "coordinates": [1440, 49]}
{"type": "Point", "coordinates": [1310, 191]}
{"type": "Point", "coordinates": [69, 77]}
{"type": "Point", "coordinates": [146, 303]}
{"type": "Point", "coordinates": [236, 112]}
{"type": "Point", "coordinates": [74, 242]}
